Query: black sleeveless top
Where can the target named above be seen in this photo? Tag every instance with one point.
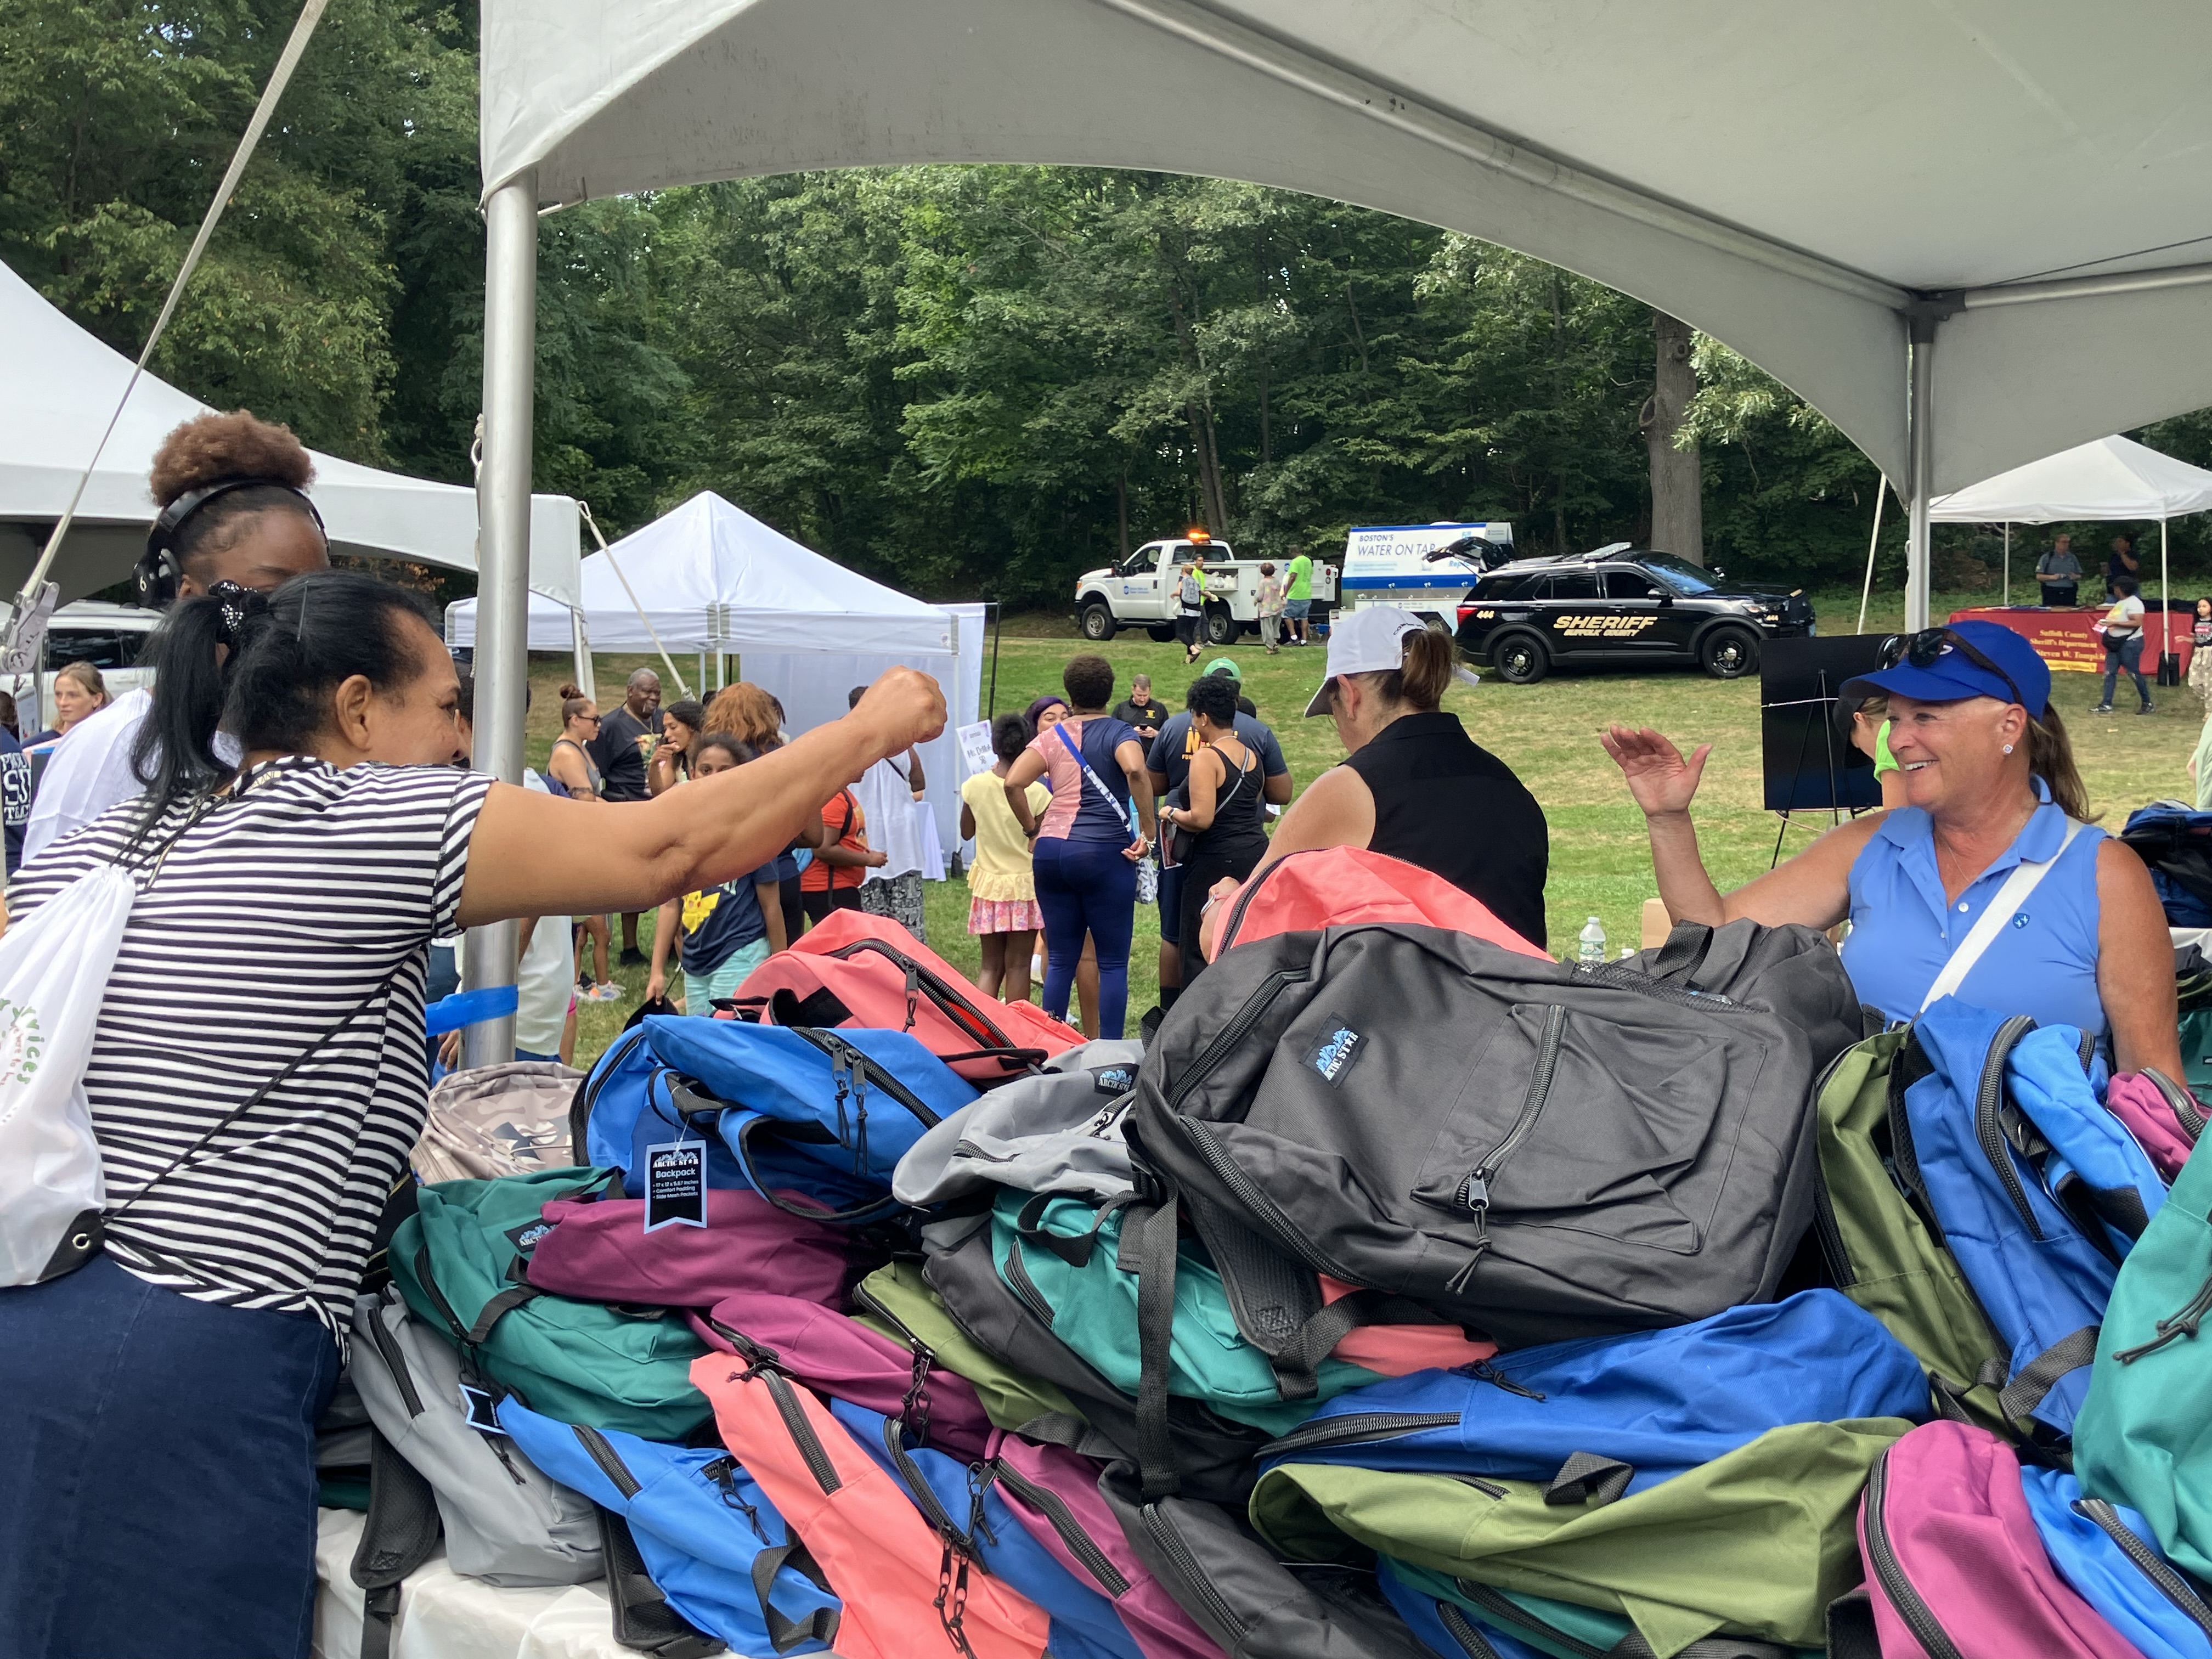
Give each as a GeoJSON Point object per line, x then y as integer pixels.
{"type": "Point", "coordinates": [1447, 803]}
{"type": "Point", "coordinates": [1237, 824]}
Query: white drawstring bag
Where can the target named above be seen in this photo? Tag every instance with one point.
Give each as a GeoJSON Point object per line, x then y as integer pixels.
{"type": "Point", "coordinates": [53, 973]}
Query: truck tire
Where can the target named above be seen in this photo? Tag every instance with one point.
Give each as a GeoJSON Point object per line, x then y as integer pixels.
{"type": "Point", "coordinates": [1221, 627]}
{"type": "Point", "coordinates": [1520, 658]}
{"type": "Point", "coordinates": [1097, 621]}
{"type": "Point", "coordinates": [1729, 652]}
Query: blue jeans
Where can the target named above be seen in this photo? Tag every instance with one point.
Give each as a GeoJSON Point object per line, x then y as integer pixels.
{"type": "Point", "coordinates": [2125, 653]}
{"type": "Point", "coordinates": [1087, 887]}
{"type": "Point", "coordinates": [157, 1472]}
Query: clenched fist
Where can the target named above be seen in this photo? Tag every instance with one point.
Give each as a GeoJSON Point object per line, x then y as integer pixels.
{"type": "Point", "coordinates": [903, 708]}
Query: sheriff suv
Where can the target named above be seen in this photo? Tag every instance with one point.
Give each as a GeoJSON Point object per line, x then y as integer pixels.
{"type": "Point", "coordinates": [1619, 607]}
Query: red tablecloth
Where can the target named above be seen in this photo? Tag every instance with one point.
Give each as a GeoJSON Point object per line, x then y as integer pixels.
{"type": "Point", "coordinates": [2064, 640]}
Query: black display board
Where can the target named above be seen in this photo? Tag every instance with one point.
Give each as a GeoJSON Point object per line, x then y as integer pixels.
{"type": "Point", "coordinates": [1806, 757]}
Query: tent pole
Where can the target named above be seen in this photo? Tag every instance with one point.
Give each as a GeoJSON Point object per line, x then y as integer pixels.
{"type": "Point", "coordinates": [503, 658]}
{"type": "Point", "coordinates": [2166, 611]}
{"type": "Point", "coordinates": [582, 639]}
{"type": "Point", "coordinates": [1866, 592]}
{"type": "Point", "coordinates": [2008, 562]}
{"type": "Point", "coordinates": [991, 712]}
{"type": "Point", "coordinates": [585, 507]}
{"type": "Point", "coordinates": [1922, 331]}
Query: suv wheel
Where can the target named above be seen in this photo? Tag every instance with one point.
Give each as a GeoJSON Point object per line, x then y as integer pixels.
{"type": "Point", "coordinates": [1097, 621]}
{"type": "Point", "coordinates": [1729, 653]}
{"type": "Point", "coordinates": [1520, 658]}
{"type": "Point", "coordinates": [1221, 627]}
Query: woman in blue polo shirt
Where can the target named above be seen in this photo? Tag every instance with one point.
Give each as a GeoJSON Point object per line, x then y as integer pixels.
{"type": "Point", "coordinates": [1991, 787]}
{"type": "Point", "coordinates": [727, 931]}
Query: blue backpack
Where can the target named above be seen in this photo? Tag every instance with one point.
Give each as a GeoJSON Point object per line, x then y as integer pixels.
{"type": "Point", "coordinates": [2039, 1192]}
{"type": "Point", "coordinates": [827, 1113]}
{"type": "Point", "coordinates": [2107, 1553]}
{"type": "Point", "coordinates": [1606, 1416]}
{"type": "Point", "coordinates": [713, 1545]}
{"type": "Point", "coordinates": [2176, 843]}
{"type": "Point", "coordinates": [965, 1509]}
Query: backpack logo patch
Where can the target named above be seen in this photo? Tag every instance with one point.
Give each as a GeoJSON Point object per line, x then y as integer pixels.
{"type": "Point", "coordinates": [1332, 1056]}
{"type": "Point", "coordinates": [526, 1237]}
{"type": "Point", "coordinates": [1114, 1079]}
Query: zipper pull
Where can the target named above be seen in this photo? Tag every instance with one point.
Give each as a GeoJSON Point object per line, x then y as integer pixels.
{"type": "Point", "coordinates": [1483, 1371]}
{"type": "Point", "coordinates": [913, 993]}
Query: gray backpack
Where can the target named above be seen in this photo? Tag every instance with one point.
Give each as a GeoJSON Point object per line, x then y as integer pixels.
{"type": "Point", "coordinates": [1537, 1150]}
{"type": "Point", "coordinates": [1055, 1131]}
{"type": "Point", "coordinates": [504, 1521]}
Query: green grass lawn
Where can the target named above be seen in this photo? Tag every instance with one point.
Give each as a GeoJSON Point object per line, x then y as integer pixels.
{"type": "Point", "coordinates": [1547, 732]}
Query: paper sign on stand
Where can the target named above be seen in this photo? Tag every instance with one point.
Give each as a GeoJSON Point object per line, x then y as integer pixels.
{"type": "Point", "coordinates": [975, 752]}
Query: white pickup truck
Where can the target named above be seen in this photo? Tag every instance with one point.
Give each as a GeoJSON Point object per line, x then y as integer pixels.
{"type": "Point", "coordinates": [1140, 592]}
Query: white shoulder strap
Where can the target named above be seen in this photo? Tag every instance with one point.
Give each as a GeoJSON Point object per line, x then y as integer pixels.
{"type": "Point", "coordinates": [2009, 897]}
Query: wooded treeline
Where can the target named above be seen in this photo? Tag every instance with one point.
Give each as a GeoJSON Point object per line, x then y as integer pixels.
{"type": "Point", "coordinates": [971, 381]}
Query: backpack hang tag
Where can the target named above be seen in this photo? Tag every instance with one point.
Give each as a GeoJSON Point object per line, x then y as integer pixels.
{"type": "Point", "coordinates": [676, 1184]}
{"type": "Point", "coordinates": [481, 1409]}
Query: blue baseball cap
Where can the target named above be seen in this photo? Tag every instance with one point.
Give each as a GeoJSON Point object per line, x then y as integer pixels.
{"type": "Point", "coordinates": [1950, 675]}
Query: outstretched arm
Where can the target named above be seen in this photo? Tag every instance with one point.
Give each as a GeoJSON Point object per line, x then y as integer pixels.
{"type": "Point", "coordinates": [534, 855]}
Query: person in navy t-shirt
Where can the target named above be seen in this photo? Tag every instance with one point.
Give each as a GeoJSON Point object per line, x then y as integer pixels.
{"type": "Point", "coordinates": [728, 931]}
{"type": "Point", "coordinates": [15, 795]}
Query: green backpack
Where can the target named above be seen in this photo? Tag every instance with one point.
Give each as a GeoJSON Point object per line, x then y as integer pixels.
{"type": "Point", "coordinates": [1064, 1258]}
{"type": "Point", "coordinates": [2144, 1436]}
{"type": "Point", "coordinates": [584, 1363]}
{"type": "Point", "coordinates": [1756, 1543]}
{"type": "Point", "coordinates": [2196, 1049]}
{"type": "Point", "coordinates": [1884, 1255]}
{"type": "Point", "coordinates": [898, 1296]}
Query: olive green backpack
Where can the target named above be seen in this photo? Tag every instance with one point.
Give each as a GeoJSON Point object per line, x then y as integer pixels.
{"type": "Point", "coordinates": [894, 1300]}
{"type": "Point", "coordinates": [2144, 1436]}
{"type": "Point", "coordinates": [1756, 1543]}
{"type": "Point", "coordinates": [1883, 1252]}
{"type": "Point", "coordinates": [461, 1260]}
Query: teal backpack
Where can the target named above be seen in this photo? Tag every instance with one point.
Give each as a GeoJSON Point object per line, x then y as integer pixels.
{"type": "Point", "coordinates": [2144, 1435]}
{"type": "Point", "coordinates": [460, 1260]}
{"type": "Point", "coordinates": [1065, 1259]}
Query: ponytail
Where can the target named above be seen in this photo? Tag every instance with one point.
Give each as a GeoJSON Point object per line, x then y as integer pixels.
{"type": "Point", "coordinates": [262, 669]}
{"type": "Point", "coordinates": [1424, 670]}
{"type": "Point", "coordinates": [2050, 757]}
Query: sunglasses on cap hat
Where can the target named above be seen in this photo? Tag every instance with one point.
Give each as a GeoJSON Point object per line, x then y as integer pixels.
{"type": "Point", "coordinates": [1926, 648]}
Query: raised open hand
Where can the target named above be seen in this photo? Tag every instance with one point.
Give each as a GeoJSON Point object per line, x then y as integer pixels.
{"type": "Point", "coordinates": [1661, 780]}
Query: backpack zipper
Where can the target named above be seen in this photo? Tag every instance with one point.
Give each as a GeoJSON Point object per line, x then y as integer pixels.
{"type": "Point", "coordinates": [2171, 1584]}
{"type": "Point", "coordinates": [2182, 1102]}
{"type": "Point", "coordinates": [1507, 1610]}
{"type": "Point", "coordinates": [1461, 1630]}
{"type": "Point", "coordinates": [723, 1472]}
{"type": "Point", "coordinates": [396, 1362]}
{"type": "Point", "coordinates": [948, 1001]}
{"type": "Point", "coordinates": [1025, 1287]}
{"type": "Point", "coordinates": [1255, 1007]}
{"type": "Point", "coordinates": [1229, 929]}
{"type": "Point", "coordinates": [1889, 1573]}
{"type": "Point", "coordinates": [1258, 1204]}
{"type": "Point", "coordinates": [609, 1459]}
{"type": "Point", "coordinates": [1353, 1428]}
{"type": "Point", "coordinates": [1169, 1543]}
{"type": "Point", "coordinates": [924, 1495]}
{"type": "Point", "coordinates": [1473, 1194]}
{"type": "Point", "coordinates": [860, 1065]}
{"type": "Point", "coordinates": [1989, 1099]}
{"type": "Point", "coordinates": [580, 1123]}
{"type": "Point", "coordinates": [1080, 1544]}
{"type": "Point", "coordinates": [1627, 979]}
{"type": "Point", "coordinates": [801, 1432]}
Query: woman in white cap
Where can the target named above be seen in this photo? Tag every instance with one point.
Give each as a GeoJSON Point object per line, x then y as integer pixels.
{"type": "Point", "coordinates": [1414, 785]}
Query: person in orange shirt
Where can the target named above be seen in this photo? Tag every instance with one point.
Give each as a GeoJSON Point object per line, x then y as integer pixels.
{"type": "Point", "coordinates": [831, 880]}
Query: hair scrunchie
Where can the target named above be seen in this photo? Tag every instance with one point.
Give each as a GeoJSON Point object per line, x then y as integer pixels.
{"type": "Point", "coordinates": [238, 605]}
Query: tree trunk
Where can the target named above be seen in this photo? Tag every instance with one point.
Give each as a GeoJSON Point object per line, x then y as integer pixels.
{"type": "Point", "coordinates": [1559, 405]}
{"type": "Point", "coordinates": [1678, 518]}
{"type": "Point", "coordinates": [1121, 499]}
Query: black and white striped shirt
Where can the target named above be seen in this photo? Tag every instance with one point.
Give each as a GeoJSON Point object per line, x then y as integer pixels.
{"type": "Point", "coordinates": [292, 918]}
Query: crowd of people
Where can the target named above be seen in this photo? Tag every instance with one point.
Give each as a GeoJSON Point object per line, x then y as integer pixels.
{"type": "Point", "coordinates": [295, 803]}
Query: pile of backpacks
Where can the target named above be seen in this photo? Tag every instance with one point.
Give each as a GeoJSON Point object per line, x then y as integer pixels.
{"type": "Point", "coordinates": [1409, 1293]}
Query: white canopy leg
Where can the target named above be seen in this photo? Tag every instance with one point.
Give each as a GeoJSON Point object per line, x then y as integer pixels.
{"type": "Point", "coordinates": [1923, 472]}
{"type": "Point", "coordinates": [585, 681]}
{"type": "Point", "coordinates": [1874, 541]}
{"type": "Point", "coordinates": [2008, 562]}
{"type": "Point", "coordinates": [502, 659]}
{"type": "Point", "coordinates": [2164, 610]}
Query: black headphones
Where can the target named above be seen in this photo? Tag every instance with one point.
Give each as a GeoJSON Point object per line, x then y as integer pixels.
{"type": "Point", "coordinates": [159, 570]}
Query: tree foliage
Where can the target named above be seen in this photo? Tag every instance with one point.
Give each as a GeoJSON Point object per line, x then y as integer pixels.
{"type": "Point", "coordinates": [972, 381]}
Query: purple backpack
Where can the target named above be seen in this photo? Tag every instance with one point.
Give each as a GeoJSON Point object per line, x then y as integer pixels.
{"type": "Point", "coordinates": [846, 1360]}
{"type": "Point", "coordinates": [1053, 1493]}
{"type": "Point", "coordinates": [600, 1252]}
{"type": "Point", "coordinates": [1956, 1567]}
{"type": "Point", "coordinates": [2164, 1117]}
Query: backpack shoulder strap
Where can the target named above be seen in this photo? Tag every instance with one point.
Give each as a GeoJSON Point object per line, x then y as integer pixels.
{"type": "Point", "coordinates": [400, 1530]}
{"type": "Point", "coordinates": [2026, 876]}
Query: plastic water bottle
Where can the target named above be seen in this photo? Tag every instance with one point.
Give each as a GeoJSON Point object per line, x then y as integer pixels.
{"type": "Point", "coordinates": [1590, 947]}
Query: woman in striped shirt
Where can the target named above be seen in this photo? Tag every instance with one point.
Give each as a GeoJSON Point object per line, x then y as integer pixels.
{"type": "Point", "coordinates": [256, 1078]}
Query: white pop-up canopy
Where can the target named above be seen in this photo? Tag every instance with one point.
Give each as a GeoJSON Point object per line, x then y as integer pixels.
{"type": "Point", "coordinates": [61, 385]}
{"type": "Point", "coordinates": [2111, 479]}
{"type": "Point", "coordinates": [709, 576]}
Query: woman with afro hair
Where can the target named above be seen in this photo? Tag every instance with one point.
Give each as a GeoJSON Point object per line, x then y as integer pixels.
{"type": "Point", "coordinates": [231, 491]}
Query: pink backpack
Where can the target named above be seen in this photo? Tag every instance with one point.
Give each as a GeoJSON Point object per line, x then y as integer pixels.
{"type": "Point", "coordinates": [2164, 1117]}
{"type": "Point", "coordinates": [1338, 886]}
{"type": "Point", "coordinates": [1954, 1564]}
{"type": "Point", "coordinates": [600, 1252]}
{"type": "Point", "coordinates": [906, 1595]}
{"type": "Point", "coordinates": [1399, 1350]}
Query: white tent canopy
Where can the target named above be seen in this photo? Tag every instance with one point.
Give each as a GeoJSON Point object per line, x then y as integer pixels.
{"type": "Point", "coordinates": [711, 577]}
{"type": "Point", "coordinates": [61, 387]}
{"type": "Point", "coordinates": [2113, 478]}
